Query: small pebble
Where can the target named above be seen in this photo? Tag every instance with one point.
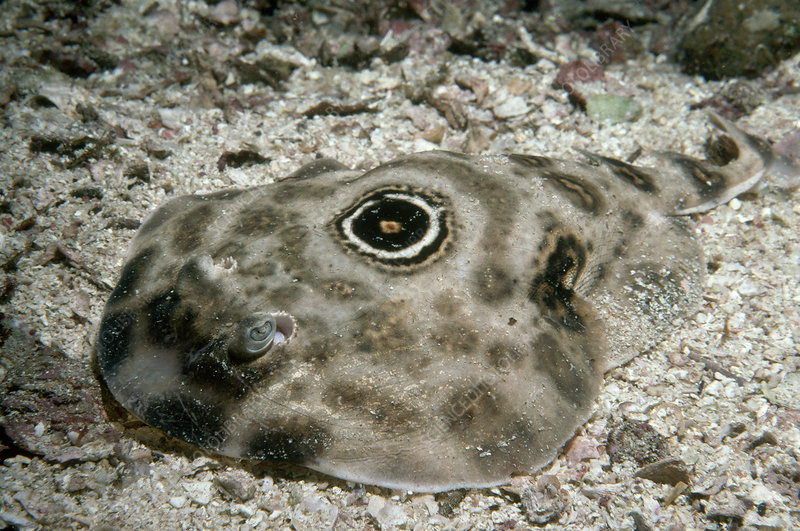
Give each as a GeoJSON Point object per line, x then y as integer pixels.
{"type": "Point", "coordinates": [177, 501]}
{"type": "Point", "coordinates": [747, 288]}
{"type": "Point", "coordinates": [201, 492]}
{"type": "Point", "coordinates": [513, 106]}
{"type": "Point", "coordinates": [244, 510]}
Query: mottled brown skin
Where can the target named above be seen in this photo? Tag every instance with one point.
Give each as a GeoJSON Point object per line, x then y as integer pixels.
{"type": "Point", "coordinates": [460, 366]}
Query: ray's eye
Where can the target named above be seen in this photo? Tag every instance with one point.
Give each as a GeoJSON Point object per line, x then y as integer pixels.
{"type": "Point", "coordinates": [395, 227]}
{"type": "Point", "coordinates": [262, 333]}
{"type": "Point", "coordinates": [255, 335]}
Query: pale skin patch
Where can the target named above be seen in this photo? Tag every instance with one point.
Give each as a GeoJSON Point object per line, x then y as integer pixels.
{"type": "Point", "coordinates": [437, 322]}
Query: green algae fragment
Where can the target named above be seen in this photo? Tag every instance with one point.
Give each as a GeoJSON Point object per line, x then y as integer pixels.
{"type": "Point", "coordinates": [612, 108]}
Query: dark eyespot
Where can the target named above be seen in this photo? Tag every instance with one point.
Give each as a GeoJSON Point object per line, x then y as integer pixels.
{"type": "Point", "coordinates": [395, 227]}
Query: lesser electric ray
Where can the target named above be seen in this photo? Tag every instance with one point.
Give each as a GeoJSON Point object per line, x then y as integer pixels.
{"type": "Point", "coordinates": [440, 321]}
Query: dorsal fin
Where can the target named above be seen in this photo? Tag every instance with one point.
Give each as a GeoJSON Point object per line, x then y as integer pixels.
{"type": "Point", "coordinates": [643, 179]}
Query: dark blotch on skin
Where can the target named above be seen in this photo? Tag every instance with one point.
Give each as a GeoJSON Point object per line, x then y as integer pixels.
{"type": "Point", "coordinates": [207, 366]}
{"type": "Point", "coordinates": [114, 342]}
{"type": "Point", "coordinates": [295, 238]}
{"type": "Point", "coordinates": [494, 284]}
{"type": "Point", "coordinates": [189, 229]}
{"type": "Point", "coordinates": [205, 360]}
{"type": "Point", "coordinates": [155, 220]}
{"type": "Point", "coordinates": [385, 333]}
{"type": "Point", "coordinates": [532, 161]}
{"type": "Point", "coordinates": [291, 443]}
{"type": "Point", "coordinates": [633, 219]}
{"type": "Point", "coordinates": [370, 404]}
{"type": "Point", "coordinates": [459, 156]}
{"type": "Point", "coordinates": [131, 273]}
{"type": "Point", "coordinates": [228, 249]}
{"type": "Point", "coordinates": [284, 292]}
{"type": "Point", "coordinates": [264, 270]}
{"type": "Point", "coordinates": [445, 305]}
{"type": "Point", "coordinates": [550, 222]}
{"type": "Point", "coordinates": [417, 366]}
{"type": "Point", "coordinates": [574, 379]}
{"type": "Point", "coordinates": [343, 289]}
{"type": "Point", "coordinates": [317, 168]}
{"type": "Point", "coordinates": [552, 288]}
{"type": "Point", "coordinates": [296, 391]}
{"type": "Point", "coordinates": [469, 404]}
{"type": "Point", "coordinates": [708, 183]}
{"type": "Point", "coordinates": [504, 357]}
{"type": "Point", "coordinates": [580, 193]}
{"type": "Point", "coordinates": [223, 195]}
{"type": "Point", "coordinates": [317, 351]}
{"type": "Point", "coordinates": [187, 418]}
{"type": "Point", "coordinates": [451, 338]}
{"type": "Point", "coordinates": [631, 174]}
{"type": "Point", "coordinates": [161, 311]}
{"type": "Point", "coordinates": [262, 221]}
{"type": "Point", "coordinates": [286, 192]}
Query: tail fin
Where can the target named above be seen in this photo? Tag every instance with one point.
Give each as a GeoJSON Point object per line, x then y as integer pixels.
{"type": "Point", "coordinates": [737, 162]}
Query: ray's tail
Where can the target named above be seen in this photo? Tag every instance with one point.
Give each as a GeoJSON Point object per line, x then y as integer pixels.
{"type": "Point", "coordinates": [737, 162]}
